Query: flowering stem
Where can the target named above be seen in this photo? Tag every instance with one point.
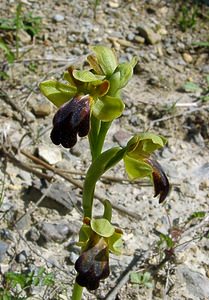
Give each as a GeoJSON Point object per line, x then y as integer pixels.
{"type": "Point", "coordinates": [77, 292]}
{"type": "Point", "coordinates": [100, 165]}
{"type": "Point", "coordinates": [101, 137]}
{"type": "Point", "coordinates": [93, 135]}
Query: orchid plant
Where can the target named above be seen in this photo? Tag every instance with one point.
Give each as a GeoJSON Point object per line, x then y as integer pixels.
{"type": "Point", "coordinates": [88, 103]}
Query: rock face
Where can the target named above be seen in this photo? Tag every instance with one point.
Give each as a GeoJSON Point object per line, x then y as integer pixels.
{"type": "Point", "coordinates": [3, 249]}
{"type": "Point", "coordinates": [54, 232]}
{"type": "Point", "coordinates": [196, 283]}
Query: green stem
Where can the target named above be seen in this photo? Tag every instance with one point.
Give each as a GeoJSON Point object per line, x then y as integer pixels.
{"type": "Point", "coordinates": [77, 292]}
{"type": "Point", "coordinates": [93, 136]}
{"type": "Point", "coordinates": [101, 137]}
{"type": "Point", "coordinates": [100, 165]}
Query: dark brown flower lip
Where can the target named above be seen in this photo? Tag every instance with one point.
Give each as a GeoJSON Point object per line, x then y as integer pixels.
{"type": "Point", "coordinates": [72, 119]}
{"type": "Point", "coordinates": [93, 265]}
{"type": "Point", "coordinates": [160, 180]}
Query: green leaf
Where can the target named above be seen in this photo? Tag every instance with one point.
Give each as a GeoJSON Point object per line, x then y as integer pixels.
{"type": "Point", "coordinates": [115, 243]}
{"type": "Point", "coordinates": [102, 227]}
{"type": "Point", "coordinates": [205, 98]}
{"type": "Point", "coordinates": [136, 277]}
{"type": "Point", "coordinates": [146, 277]}
{"type": "Point", "coordinates": [136, 168]}
{"type": "Point", "coordinates": [168, 240]}
{"type": "Point", "coordinates": [197, 214]}
{"type": "Point", "coordinates": [108, 108]}
{"type": "Point", "coordinates": [58, 93]}
{"type": "Point", "coordinates": [16, 278]}
{"type": "Point", "coordinates": [106, 59]}
{"type": "Point", "coordinates": [87, 76]}
{"type": "Point", "coordinates": [6, 296]}
{"type": "Point", "coordinates": [191, 87]}
{"type": "Point", "coordinates": [141, 278]}
{"type": "Point", "coordinates": [9, 54]}
{"type": "Point", "coordinates": [48, 280]}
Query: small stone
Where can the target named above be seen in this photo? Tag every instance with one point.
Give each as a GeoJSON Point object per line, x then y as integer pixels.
{"type": "Point", "coordinates": [139, 39]}
{"type": "Point", "coordinates": [50, 154]}
{"type": "Point", "coordinates": [121, 137]}
{"type": "Point", "coordinates": [21, 257]}
{"type": "Point", "coordinates": [150, 36]}
{"type": "Point", "coordinates": [54, 232]}
{"type": "Point", "coordinates": [24, 222]}
{"type": "Point", "coordinates": [76, 150]}
{"type": "Point", "coordinates": [76, 51]}
{"type": "Point", "coordinates": [187, 58]}
{"type": "Point", "coordinates": [33, 234]}
{"type": "Point", "coordinates": [3, 249]}
{"type": "Point", "coordinates": [42, 109]}
{"type": "Point", "coordinates": [113, 4]}
{"type": "Point", "coordinates": [162, 31]}
{"type": "Point", "coordinates": [58, 18]}
{"type": "Point", "coordinates": [72, 257]}
{"type": "Point", "coordinates": [131, 36]}
{"type": "Point", "coordinates": [205, 69]}
{"type": "Point", "coordinates": [26, 177]}
{"type": "Point", "coordinates": [24, 37]}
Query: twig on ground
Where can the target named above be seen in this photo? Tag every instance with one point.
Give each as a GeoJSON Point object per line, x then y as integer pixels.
{"type": "Point", "coordinates": [189, 111]}
{"type": "Point", "coordinates": [14, 105]}
{"type": "Point", "coordinates": [78, 184]}
{"type": "Point", "coordinates": [25, 166]}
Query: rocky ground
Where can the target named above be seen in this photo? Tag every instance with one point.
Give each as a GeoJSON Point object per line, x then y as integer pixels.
{"type": "Point", "coordinates": [40, 217]}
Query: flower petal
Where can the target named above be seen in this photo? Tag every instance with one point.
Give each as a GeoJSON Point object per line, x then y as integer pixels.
{"type": "Point", "coordinates": [160, 180]}
{"type": "Point", "coordinates": [71, 119]}
{"type": "Point", "coordinates": [93, 264]}
{"type": "Point", "coordinates": [58, 93]}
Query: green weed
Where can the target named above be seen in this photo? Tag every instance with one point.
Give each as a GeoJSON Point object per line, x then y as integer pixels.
{"type": "Point", "coordinates": [18, 286]}
{"type": "Point", "coordinates": [195, 87]}
{"type": "Point", "coordinates": [187, 17]}
{"type": "Point", "coordinates": [27, 22]}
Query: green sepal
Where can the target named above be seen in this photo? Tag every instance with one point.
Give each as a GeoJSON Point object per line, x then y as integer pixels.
{"type": "Point", "coordinates": [108, 108]}
{"type": "Point", "coordinates": [102, 227]}
{"type": "Point", "coordinates": [114, 83]}
{"type": "Point", "coordinates": [115, 243]}
{"type": "Point", "coordinates": [145, 144]}
{"type": "Point", "coordinates": [84, 235]}
{"type": "Point", "coordinates": [126, 71]}
{"type": "Point", "coordinates": [106, 59]}
{"type": "Point", "coordinates": [58, 93]}
{"type": "Point", "coordinates": [87, 76]}
{"type": "Point", "coordinates": [136, 168]}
